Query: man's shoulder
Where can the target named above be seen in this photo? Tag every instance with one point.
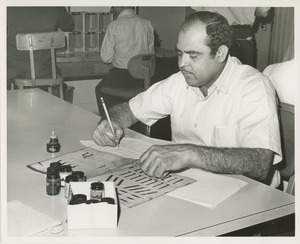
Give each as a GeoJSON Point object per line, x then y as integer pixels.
{"type": "Point", "coordinates": [175, 80]}
{"type": "Point", "coordinates": [244, 70]}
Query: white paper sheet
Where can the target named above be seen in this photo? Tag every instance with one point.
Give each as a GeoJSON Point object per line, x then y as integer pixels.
{"type": "Point", "coordinates": [209, 190]}
{"type": "Point", "coordinates": [25, 221]}
{"type": "Point", "coordinates": [128, 147]}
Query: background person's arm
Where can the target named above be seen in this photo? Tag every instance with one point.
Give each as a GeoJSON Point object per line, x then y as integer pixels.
{"type": "Point", "coordinates": [262, 11]}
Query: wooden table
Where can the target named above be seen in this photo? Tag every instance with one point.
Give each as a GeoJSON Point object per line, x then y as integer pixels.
{"type": "Point", "coordinates": [31, 116]}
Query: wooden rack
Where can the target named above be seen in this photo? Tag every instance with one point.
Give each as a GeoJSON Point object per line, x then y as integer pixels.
{"type": "Point", "coordinates": [89, 31]}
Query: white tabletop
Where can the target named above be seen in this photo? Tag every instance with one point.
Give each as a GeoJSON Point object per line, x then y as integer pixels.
{"type": "Point", "coordinates": [32, 115]}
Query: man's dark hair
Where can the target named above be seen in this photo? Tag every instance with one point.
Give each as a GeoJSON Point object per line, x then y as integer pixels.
{"type": "Point", "coordinates": [217, 28]}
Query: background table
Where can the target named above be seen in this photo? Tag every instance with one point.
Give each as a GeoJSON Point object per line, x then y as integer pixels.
{"type": "Point", "coordinates": [32, 115]}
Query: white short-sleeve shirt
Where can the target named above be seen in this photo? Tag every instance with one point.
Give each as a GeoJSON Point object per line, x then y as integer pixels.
{"type": "Point", "coordinates": [284, 77]}
{"type": "Point", "coordinates": [239, 110]}
{"type": "Point", "coordinates": [235, 15]}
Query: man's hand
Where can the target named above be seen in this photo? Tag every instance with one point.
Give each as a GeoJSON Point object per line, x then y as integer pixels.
{"type": "Point", "coordinates": [160, 159]}
{"type": "Point", "coordinates": [104, 136]}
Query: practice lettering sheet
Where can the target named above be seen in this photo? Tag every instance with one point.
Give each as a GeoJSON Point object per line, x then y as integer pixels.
{"type": "Point", "coordinates": [91, 161]}
{"type": "Point", "coordinates": [133, 185]}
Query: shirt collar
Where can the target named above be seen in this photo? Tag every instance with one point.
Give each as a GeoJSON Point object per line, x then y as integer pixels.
{"type": "Point", "coordinates": [126, 12]}
{"type": "Point", "coordinates": [223, 81]}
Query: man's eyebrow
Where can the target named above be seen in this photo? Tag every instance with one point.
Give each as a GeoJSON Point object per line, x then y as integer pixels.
{"type": "Point", "coordinates": [188, 52]}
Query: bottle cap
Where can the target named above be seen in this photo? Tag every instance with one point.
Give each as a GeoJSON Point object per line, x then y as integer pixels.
{"type": "Point", "coordinates": [65, 168]}
{"type": "Point", "coordinates": [109, 200]}
{"type": "Point", "coordinates": [97, 186]}
{"type": "Point", "coordinates": [55, 164]}
{"type": "Point", "coordinates": [92, 201]}
{"type": "Point", "coordinates": [77, 199]}
{"type": "Point", "coordinates": [52, 169]}
{"type": "Point", "coordinates": [70, 178]}
{"type": "Point", "coordinates": [53, 136]}
{"type": "Point", "coordinates": [78, 174]}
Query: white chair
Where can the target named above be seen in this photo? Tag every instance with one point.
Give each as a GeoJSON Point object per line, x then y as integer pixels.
{"type": "Point", "coordinates": [285, 89]}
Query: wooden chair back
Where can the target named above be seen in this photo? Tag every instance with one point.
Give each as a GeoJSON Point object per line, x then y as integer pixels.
{"type": "Point", "coordinates": [41, 41]}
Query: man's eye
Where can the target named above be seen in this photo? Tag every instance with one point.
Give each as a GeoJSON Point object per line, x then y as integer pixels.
{"type": "Point", "coordinates": [193, 55]}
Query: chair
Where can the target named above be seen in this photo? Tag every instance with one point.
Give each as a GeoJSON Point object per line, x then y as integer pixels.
{"type": "Point", "coordinates": [286, 121]}
{"type": "Point", "coordinates": [41, 41]}
{"type": "Point", "coordinates": [141, 66]}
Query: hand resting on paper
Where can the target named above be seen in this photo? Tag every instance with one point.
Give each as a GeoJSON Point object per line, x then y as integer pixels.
{"type": "Point", "coordinates": [104, 136]}
{"type": "Point", "coordinates": [158, 160]}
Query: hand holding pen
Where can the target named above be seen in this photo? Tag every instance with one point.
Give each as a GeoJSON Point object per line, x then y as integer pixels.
{"type": "Point", "coordinates": [107, 133]}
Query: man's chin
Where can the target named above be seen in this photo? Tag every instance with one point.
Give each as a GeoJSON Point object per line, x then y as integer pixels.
{"type": "Point", "coordinates": [191, 82]}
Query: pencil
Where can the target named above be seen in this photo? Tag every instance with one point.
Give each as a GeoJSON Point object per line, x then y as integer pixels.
{"type": "Point", "coordinates": [108, 117]}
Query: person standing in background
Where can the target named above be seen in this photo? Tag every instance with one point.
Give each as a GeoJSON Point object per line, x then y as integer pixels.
{"type": "Point", "coordinates": [241, 20]}
{"type": "Point", "coordinates": [128, 35]}
{"type": "Point", "coordinates": [33, 20]}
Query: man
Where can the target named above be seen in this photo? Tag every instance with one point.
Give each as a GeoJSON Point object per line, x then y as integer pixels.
{"type": "Point", "coordinates": [33, 20]}
{"type": "Point", "coordinates": [223, 113]}
{"type": "Point", "coordinates": [125, 37]}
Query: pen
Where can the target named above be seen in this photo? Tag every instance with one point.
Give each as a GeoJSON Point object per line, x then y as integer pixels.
{"type": "Point", "coordinates": [108, 117]}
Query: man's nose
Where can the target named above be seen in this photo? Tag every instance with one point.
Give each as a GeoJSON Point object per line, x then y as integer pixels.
{"type": "Point", "coordinates": [182, 60]}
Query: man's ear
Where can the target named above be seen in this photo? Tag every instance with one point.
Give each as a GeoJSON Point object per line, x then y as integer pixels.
{"type": "Point", "coordinates": [222, 53]}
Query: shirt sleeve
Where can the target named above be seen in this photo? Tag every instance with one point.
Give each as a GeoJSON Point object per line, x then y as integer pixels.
{"type": "Point", "coordinates": [107, 47]}
{"type": "Point", "coordinates": [156, 102]}
{"type": "Point", "coordinates": [258, 123]}
{"type": "Point", "coordinates": [151, 39]}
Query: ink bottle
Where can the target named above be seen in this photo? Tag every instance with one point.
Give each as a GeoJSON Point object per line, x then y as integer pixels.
{"type": "Point", "coordinates": [53, 182]}
{"type": "Point", "coordinates": [65, 170]}
{"type": "Point", "coordinates": [97, 190]}
{"type": "Point", "coordinates": [53, 146]}
{"type": "Point", "coordinates": [80, 175]}
{"type": "Point", "coordinates": [68, 179]}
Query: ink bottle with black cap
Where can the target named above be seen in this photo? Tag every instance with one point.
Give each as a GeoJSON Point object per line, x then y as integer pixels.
{"type": "Point", "coordinates": [97, 190]}
{"type": "Point", "coordinates": [65, 170]}
{"type": "Point", "coordinates": [80, 175]}
{"type": "Point", "coordinates": [53, 182]}
{"type": "Point", "coordinates": [53, 146]}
